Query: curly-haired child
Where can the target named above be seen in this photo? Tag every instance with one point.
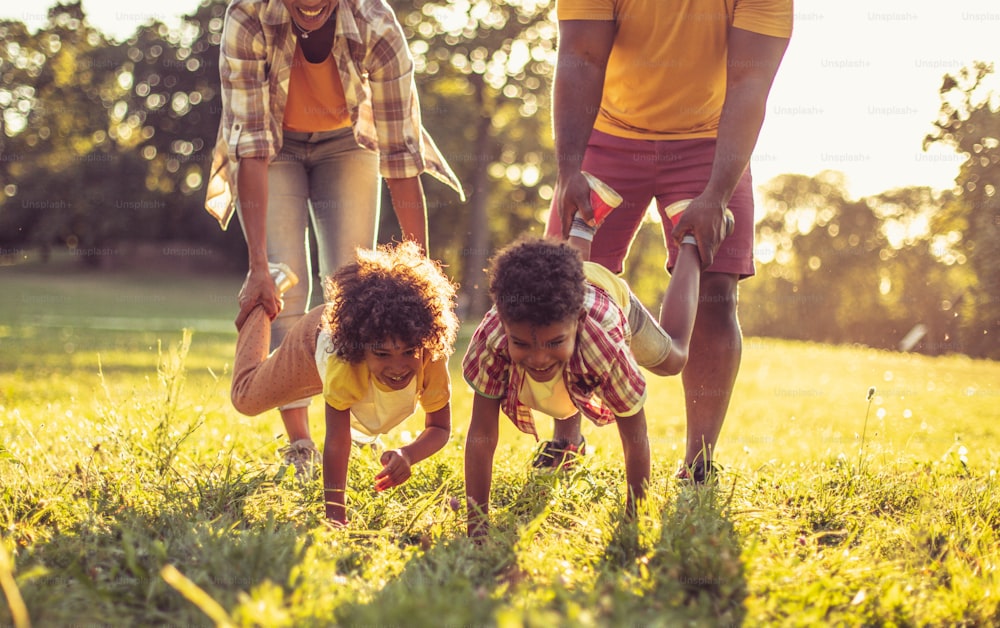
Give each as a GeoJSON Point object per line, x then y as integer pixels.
{"type": "Point", "coordinates": [563, 338]}
{"type": "Point", "coordinates": [377, 347]}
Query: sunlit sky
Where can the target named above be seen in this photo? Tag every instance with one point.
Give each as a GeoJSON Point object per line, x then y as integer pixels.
{"type": "Point", "coordinates": [857, 90]}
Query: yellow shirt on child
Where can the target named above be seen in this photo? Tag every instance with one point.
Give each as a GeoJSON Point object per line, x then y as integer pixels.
{"type": "Point", "coordinates": [375, 408]}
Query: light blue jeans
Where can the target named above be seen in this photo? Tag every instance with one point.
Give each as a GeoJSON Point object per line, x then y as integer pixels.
{"type": "Point", "coordinates": [321, 183]}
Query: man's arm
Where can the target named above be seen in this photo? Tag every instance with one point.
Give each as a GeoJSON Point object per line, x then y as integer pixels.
{"type": "Point", "coordinates": [584, 47]}
{"type": "Point", "coordinates": [752, 64]}
{"type": "Point", "coordinates": [480, 445]}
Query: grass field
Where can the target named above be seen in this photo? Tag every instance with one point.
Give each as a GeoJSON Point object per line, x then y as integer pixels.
{"type": "Point", "coordinates": [131, 493]}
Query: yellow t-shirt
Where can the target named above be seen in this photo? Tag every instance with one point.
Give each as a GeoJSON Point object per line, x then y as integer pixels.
{"type": "Point", "coordinates": [611, 283]}
{"type": "Point", "coordinates": [666, 76]}
{"type": "Point", "coordinates": [551, 397]}
{"type": "Point", "coordinates": [316, 99]}
{"type": "Point", "coordinates": [346, 385]}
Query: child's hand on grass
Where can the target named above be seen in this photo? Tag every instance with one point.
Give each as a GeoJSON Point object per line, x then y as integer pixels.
{"type": "Point", "coordinates": [395, 469]}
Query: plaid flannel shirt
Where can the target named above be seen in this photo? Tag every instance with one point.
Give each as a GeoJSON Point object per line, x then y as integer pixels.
{"type": "Point", "coordinates": [376, 69]}
{"type": "Point", "coordinates": [602, 377]}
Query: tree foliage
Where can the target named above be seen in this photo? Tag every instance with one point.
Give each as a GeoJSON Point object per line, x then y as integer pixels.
{"type": "Point", "coordinates": [103, 144]}
{"type": "Point", "coordinates": [484, 73]}
{"type": "Point", "coordinates": [969, 121]}
{"type": "Point", "coordinates": [863, 271]}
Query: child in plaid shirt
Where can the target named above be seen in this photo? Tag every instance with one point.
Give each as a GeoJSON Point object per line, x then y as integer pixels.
{"type": "Point", "coordinates": [558, 340]}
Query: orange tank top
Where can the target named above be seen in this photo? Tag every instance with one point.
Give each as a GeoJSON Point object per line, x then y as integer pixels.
{"type": "Point", "coordinates": [315, 96]}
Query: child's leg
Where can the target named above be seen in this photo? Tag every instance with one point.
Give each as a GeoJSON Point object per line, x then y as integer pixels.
{"type": "Point", "coordinates": [261, 381]}
{"type": "Point", "coordinates": [650, 345]}
{"type": "Point", "coordinates": [679, 307]}
{"type": "Point", "coordinates": [581, 236]}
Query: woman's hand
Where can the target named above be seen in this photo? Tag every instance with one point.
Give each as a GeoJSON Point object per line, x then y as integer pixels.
{"type": "Point", "coordinates": [258, 289]}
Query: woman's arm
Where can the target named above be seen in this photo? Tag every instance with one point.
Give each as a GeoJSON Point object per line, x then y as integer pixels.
{"type": "Point", "coordinates": [411, 208]}
{"type": "Point", "coordinates": [258, 288]}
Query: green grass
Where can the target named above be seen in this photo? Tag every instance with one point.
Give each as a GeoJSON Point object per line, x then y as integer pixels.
{"type": "Point", "coordinates": [122, 456]}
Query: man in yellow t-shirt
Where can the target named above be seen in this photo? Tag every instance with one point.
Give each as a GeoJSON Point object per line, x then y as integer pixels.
{"type": "Point", "coordinates": [664, 100]}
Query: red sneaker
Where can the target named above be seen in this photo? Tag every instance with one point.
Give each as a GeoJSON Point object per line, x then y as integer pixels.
{"type": "Point", "coordinates": [559, 454]}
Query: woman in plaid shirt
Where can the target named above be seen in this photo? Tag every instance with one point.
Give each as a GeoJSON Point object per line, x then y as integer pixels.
{"type": "Point", "coordinates": [319, 103]}
{"type": "Point", "coordinates": [562, 338]}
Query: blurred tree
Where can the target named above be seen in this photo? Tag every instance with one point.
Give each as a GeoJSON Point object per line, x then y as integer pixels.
{"type": "Point", "coordinates": [838, 270]}
{"type": "Point", "coordinates": [57, 85]}
{"type": "Point", "coordinates": [969, 121]}
{"type": "Point", "coordinates": [118, 134]}
{"type": "Point", "coordinates": [483, 73]}
{"type": "Point", "coordinates": [174, 78]}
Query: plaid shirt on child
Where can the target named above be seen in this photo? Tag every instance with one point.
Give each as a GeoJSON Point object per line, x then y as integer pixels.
{"type": "Point", "coordinates": [377, 72]}
{"type": "Point", "coordinates": [602, 377]}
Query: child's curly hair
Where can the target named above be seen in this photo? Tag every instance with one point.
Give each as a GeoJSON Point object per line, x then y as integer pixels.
{"type": "Point", "coordinates": [393, 291]}
{"type": "Point", "coordinates": [537, 280]}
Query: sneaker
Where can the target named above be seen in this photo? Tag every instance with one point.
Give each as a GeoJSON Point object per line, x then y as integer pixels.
{"type": "Point", "coordinates": [556, 454]}
{"type": "Point", "coordinates": [303, 457]}
{"type": "Point", "coordinates": [699, 473]}
{"type": "Point", "coordinates": [364, 441]}
{"type": "Point", "coordinates": [603, 199]}
{"type": "Point", "coordinates": [283, 277]}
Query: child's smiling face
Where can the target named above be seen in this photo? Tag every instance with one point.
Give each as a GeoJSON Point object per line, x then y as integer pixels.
{"type": "Point", "coordinates": [542, 350]}
{"type": "Point", "coordinates": [393, 363]}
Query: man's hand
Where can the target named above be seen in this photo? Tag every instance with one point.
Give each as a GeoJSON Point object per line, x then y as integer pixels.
{"type": "Point", "coordinates": [573, 196]}
{"type": "Point", "coordinates": [258, 289]}
{"type": "Point", "coordinates": [395, 469]}
{"type": "Point", "coordinates": [705, 220]}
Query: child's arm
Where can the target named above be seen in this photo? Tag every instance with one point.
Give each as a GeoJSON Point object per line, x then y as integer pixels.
{"type": "Point", "coordinates": [480, 445]}
{"type": "Point", "coordinates": [680, 305]}
{"type": "Point", "coordinates": [397, 463]}
{"type": "Point", "coordinates": [336, 454]}
{"type": "Point", "coordinates": [635, 446]}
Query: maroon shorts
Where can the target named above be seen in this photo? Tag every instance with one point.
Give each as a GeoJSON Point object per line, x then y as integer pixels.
{"type": "Point", "coordinates": [667, 171]}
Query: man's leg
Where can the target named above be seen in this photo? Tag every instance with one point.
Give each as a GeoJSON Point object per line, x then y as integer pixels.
{"type": "Point", "coordinates": [712, 366]}
{"type": "Point", "coordinates": [716, 344]}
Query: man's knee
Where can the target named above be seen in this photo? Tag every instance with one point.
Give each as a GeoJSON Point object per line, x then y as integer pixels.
{"type": "Point", "coordinates": [718, 295]}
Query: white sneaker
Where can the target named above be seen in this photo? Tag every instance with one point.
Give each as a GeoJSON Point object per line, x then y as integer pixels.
{"type": "Point", "coordinates": [303, 457]}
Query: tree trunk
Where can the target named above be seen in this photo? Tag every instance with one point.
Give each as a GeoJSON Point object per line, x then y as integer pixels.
{"type": "Point", "coordinates": [476, 252]}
